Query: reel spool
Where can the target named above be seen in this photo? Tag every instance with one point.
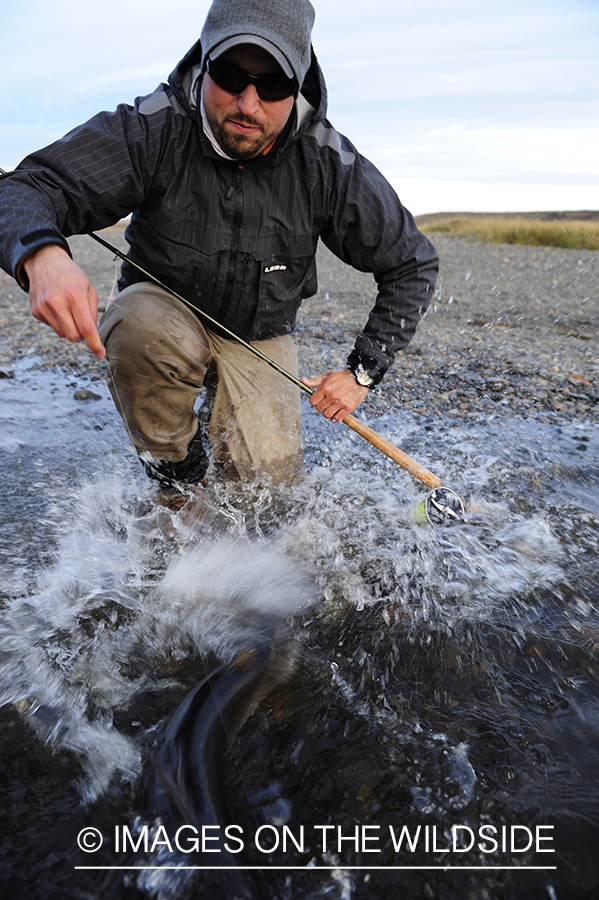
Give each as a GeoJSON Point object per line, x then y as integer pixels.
{"type": "Point", "coordinates": [444, 507]}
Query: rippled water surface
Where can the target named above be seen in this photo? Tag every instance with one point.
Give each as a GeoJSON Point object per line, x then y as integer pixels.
{"type": "Point", "coordinates": [442, 677]}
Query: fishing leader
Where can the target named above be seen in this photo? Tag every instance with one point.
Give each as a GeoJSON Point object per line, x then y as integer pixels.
{"type": "Point", "coordinates": [231, 173]}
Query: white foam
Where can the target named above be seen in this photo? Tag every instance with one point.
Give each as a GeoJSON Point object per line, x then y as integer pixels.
{"type": "Point", "coordinates": [65, 650]}
{"type": "Point", "coordinates": [223, 594]}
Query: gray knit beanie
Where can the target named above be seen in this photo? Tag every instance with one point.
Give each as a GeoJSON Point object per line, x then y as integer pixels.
{"type": "Point", "coordinates": [281, 27]}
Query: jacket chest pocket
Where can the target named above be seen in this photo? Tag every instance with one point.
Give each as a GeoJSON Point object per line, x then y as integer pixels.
{"type": "Point", "coordinates": [287, 276]}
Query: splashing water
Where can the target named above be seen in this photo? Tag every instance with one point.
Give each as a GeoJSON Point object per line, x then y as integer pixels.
{"type": "Point", "coordinates": [104, 613]}
{"type": "Point", "coordinates": [447, 677]}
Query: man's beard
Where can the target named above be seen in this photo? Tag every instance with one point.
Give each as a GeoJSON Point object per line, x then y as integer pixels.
{"type": "Point", "coordinates": [240, 146]}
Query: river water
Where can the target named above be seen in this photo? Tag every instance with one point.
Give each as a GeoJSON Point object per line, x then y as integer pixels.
{"type": "Point", "coordinates": [444, 680]}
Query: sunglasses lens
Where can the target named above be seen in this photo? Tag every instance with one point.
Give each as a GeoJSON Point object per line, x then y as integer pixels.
{"type": "Point", "coordinates": [275, 87]}
{"type": "Point", "coordinates": [235, 80]}
{"type": "Point", "coordinates": [229, 78]}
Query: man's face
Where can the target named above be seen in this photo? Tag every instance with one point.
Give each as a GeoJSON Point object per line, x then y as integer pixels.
{"type": "Point", "coordinates": [243, 124]}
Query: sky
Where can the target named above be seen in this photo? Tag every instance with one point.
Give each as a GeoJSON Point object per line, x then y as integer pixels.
{"type": "Point", "coordinates": [464, 105]}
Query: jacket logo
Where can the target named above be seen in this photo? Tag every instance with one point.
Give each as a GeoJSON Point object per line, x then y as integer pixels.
{"type": "Point", "coordinates": [275, 269]}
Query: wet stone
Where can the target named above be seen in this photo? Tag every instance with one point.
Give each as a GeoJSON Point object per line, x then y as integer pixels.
{"type": "Point", "coordinates": [86, 394]}
{"type": "Point", "coordinates": [435, 710]}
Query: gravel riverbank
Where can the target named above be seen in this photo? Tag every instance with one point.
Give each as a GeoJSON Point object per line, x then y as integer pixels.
{"type": "Point", "coordinates": [511, 330]}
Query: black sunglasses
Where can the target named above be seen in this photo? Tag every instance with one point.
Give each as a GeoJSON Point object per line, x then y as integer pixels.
{"type": "Point", "coordinates": [235, 80]}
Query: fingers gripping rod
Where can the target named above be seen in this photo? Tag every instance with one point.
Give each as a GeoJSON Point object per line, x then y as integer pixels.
{"type": "Point", "coordinates": [381, 443]}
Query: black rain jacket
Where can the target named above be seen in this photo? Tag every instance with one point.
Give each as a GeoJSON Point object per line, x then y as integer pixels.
{"type": "Point", "coordinates": [236, 238]}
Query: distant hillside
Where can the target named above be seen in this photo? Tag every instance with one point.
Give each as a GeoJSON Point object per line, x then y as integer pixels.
{"type": "Point", "coordinates": [581, 215]}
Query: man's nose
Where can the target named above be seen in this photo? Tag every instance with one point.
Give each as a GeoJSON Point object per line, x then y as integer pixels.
{"type": "Point", "coordinates": [249, 101]}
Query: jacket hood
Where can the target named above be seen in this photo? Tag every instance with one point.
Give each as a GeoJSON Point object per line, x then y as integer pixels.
{"type": "Point", "coordinates": [310, 106]}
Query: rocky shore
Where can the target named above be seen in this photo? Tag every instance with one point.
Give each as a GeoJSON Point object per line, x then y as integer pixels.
{"type": "Point", "coordinates": [510, 330]}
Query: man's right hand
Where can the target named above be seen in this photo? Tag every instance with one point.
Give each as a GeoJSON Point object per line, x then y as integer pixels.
{"type": "Point", "coordinates": [61, 294]}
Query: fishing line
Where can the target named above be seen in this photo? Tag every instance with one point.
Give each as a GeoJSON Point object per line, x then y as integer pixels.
{"type": "Point", "coordinates": [242, 778]}
{"type": "Point", "coordinates": [111, 379]}
{"type": "Point", "coordinates": [113, 289]}
{"type": "Point", "coordinates": [110, 375]}
{"type": "Point", "coordinates": [207, 318]}
{"type": "Point", "coordinates": [444, 502]}
{"type": "Point", "coordinates": [114, 285]}
{"type": "Point", "coordinates": [443, 505]}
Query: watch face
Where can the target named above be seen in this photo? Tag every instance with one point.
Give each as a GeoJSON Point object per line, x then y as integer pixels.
{"type": "Point", "coordinates": [363, 378]}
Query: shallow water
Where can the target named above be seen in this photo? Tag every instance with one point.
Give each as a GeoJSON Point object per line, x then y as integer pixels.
{"type": "Point", "coordinates": [443, 678]}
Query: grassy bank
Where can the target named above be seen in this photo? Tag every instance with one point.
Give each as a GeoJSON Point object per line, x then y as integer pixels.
{"type": "Point", "coordinates": [571, 234]}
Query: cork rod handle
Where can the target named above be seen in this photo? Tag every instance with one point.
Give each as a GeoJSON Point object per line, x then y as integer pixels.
{"type": "Point", "coordinates": [393, 452]}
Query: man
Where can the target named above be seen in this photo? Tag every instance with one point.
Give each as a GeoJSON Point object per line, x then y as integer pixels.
{"type": "Point", "coordinates": [232, 173]}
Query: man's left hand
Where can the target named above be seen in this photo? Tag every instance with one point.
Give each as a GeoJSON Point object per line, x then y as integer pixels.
{"type": "Point", "coordinates": [336, 395]}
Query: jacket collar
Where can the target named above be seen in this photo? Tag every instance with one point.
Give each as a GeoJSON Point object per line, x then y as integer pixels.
{"type": "Point", "coordinates": [310, 106]}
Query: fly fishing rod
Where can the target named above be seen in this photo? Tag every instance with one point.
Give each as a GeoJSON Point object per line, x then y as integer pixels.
{"type": "Point", "coordinates": [442, 506]}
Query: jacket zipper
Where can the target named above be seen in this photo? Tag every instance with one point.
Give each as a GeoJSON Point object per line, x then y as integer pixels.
{"type": "Point", "coordinates": [246, 268]}
{"type": "Point", "coordinates": [197, 281]}
{"type": "Point", "coordinates": [237, 194]}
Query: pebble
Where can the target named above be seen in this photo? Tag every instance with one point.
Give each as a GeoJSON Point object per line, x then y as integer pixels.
{"type": "Point", "coordinates": [86, 394]}
{"type": "Point", "coordinates": [498, 336]}
{"type": "Point", "coordinates": [511, 331]}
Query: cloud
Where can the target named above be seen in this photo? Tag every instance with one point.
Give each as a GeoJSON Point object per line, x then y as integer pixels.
{"type": "Point", "coordinates": [444, 89]}
{"type": "Point", "coordinates": [481, 93]}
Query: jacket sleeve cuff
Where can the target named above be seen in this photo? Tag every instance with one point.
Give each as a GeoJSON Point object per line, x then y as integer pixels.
{"type": "Point", "coordinates": [29, 244]}
{"type": "Point", "coordinates": [359, 360]}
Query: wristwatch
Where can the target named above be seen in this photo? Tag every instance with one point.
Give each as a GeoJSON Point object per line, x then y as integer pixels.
{"type": "Point", "coordinates": [363, 378]}
{"type": "Point", "coordinates": [367, 371]}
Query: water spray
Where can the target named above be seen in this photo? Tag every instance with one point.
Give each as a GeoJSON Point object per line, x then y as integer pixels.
{"type": "Point", "coordinates": [443, 506]}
